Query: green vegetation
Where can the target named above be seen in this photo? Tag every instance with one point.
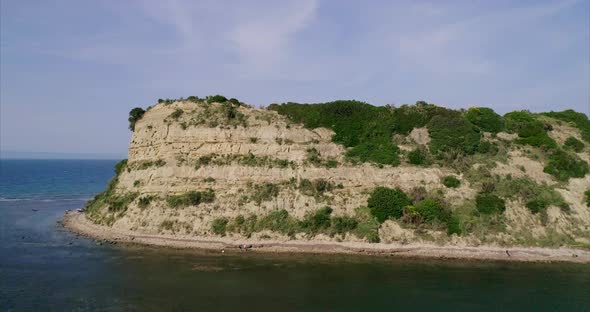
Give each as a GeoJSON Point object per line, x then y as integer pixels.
{"type": "Point", "coordinates": [386, 203]}
{"type": "Point", "coordinates": [530, 130]}
{"type": "Point", "coordinates": [368, 226]}
{"type": "Point", "coordinates": [216, 99]}
{"type": "Point", "coordinates": [485, 118]}
{"type": "Point", "coordinates": [587, 195]}
{"type": "Point", "coordinates": [580, 120]}
{"type": "Point", "coordinates": [314, 158]}
{"type": "Point", "coordinates": [563, 165]}
{"type": "Point", "coordinates": [134, 116]}
{"type": "Point", "coordinates": [116, 204]}
{"type": "Point", "coordinates": [144, 201]}
{"type": "Point", "coordinates": [451, 132]}
{"type": "Point", "coordinates": [192, 198]}
{"type": "Point", "coordinates": [145, 164]}
{"type": "Point", "coordinates": [451, 182]}
{"type": "Point", "coordinates": [364, 128]}
{"type": "Point", "coordinates": [219, 226]}
{"type": "Point", "coordinates": [574, 144]}
{"type": "Point", "coordinates": [279, 221]}
{"type": "Point", "coordinates": [487, 203]}
{"type": "Point", "coordinates": [344, 224]}
{"type": "Point", "coordinates": [367, 130]}
{"type": "Point", "coordinates": [249, 160]}
{"type": "Point", "coordinates": [176, 114]}
{"type": "Point", "coordinates": [431, 210]}
{"type": "Point", "coordinates": [418, 156]}
{"type": "Point", "coordinates": [120, 166]}
{"type": "Point", "coordinates": [536, 205]}
{"type": "Point", "coordinates": [265, 192]}
{"type": "Point", "coordinates": [317, 221]}
{"type": "Point", "coordinates": [315, 188]}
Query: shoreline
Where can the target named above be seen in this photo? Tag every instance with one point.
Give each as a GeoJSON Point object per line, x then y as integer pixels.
{"type": "Point", "coordinates": [78, 223]}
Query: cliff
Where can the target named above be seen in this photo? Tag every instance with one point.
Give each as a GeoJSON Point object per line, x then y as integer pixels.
{"type": "Point", "coordinates": [208, 169]}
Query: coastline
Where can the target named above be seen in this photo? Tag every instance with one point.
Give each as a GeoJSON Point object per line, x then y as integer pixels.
{"type": "Point", "coordinates": [78, 223]}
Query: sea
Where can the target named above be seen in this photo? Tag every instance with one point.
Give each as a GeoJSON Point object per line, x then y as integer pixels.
{"type": "Point", "coordinates": [43, 267]}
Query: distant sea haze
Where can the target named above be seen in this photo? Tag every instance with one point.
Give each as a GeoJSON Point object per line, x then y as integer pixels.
{"type": "Point", "coordinates": [13, 154]}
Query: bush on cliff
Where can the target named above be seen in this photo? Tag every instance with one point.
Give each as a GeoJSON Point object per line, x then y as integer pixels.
{"type": "Point", "coordinates": [580, 120]}
{"type": "Point", "coordinates": [216, 99]}
{"type": "Point", "coordinates": [574, 144]}
{"type": "Point", "coordinates": [530, 130]}
{"type": "Point", "coordinates": [487, 203]}
{"type": "Point", "coordinates": [452, 132]}
{"type": "Point", "coordinates": [451, 182]}
{"type": "Point", "coordinates": [485, 118]}
{"type": "Point", "coordinates": [366, 129]}
{"type": "Point", "coordinates": [563, 165]}
{"type": "Point", "coordinates": [192, 198]}
{"type": "Point", "coordinates": [134, 116]}
{"type": "Point", "coordinates": [385, 203]}
{"type": "Point", "coordinates": [219, 226]}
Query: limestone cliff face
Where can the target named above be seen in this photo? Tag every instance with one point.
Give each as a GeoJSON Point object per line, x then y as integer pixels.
{"type": "Point", "coordinates": [184, 146]}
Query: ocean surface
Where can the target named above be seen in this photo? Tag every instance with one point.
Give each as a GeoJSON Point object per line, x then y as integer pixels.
{"type": "Point", "coordinates": [45, 268]}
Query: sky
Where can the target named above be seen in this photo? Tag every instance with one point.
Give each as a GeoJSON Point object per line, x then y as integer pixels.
{"type": "Point", "coordinates": [70, 71]}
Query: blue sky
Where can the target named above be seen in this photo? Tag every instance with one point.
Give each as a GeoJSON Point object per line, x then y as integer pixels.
{"type": "Point", "coordinates": [70, 71]}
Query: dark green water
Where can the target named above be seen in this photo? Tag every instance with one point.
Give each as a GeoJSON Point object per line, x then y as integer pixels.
{"type": "Point", "coordinates": [45, 268]}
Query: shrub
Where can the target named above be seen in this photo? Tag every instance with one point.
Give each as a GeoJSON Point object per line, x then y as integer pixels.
{"type": "Point", "coordinates": [219, 226]}
{"type": "Point", "coordinates": [253, 140]}
{"type": "Point", "coordinates": [417, 156]}
{"type": "Point", "coordinates": [451, 182]}
{"type": "Point", "coordinates": [235, 101]}
{"type": "Point", "coordinates": [489, 204]}
{"type": "Point", "coordinates": [587, 194]}
{"type": "Point", "coordinates": [528, 190]}
{"type": "Point", "coordinates": [192, 98]}
{"type": "Point", "coordinates": [265, 192]}
{"type": "Point", "coordinates": [120, 166]}
{"type": "Point", "coordinates": [216, 99]}
{"type": "Point", "coordinates": [315, 187]}
{"type": "Point", "coordinates": [485, 118]}
{"type": "Point", "coordinates": [430, 210]}
{"type": "Point", "coordinates": [176, 114]}
{"type": "Point", "coordinates": [317, 221]}
{"type": "Point", "coordinates": [536, 205]}
{"type": "Point", "coordinates": [451, 132]}
{"type": "Point", "coordinates": [279, 221]}
{"type": "Point", "coordinates": [530, 130]}
{"type": "Point", "coordinates": [145, 201]}
{"type": "Point", "coordinates": [344, 224]}
{"type": "Point", "coordinates": [563, 165]}
{"type": "Point", "coordinates": [134, 116]}
{"type": "Point", "coordinates": [203, 161]}
{"type": "Point", "coordinates": [192, 198]}
{"type": "Point", "coordinates": [368, 226]}
{"type": "Point", "coordinates": [454, 226]}
{"type": "Point", "coordinates": [385, 203]}
{"type": "Point", "coordinates": [119, 203]}
{"type": "Point", "coordinates": [574, 144]}
{"type": "Point", "coordinates": [579, 119]}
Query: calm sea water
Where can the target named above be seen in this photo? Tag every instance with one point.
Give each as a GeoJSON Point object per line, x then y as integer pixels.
{"type": "Point", "coordinates": [45, 268]}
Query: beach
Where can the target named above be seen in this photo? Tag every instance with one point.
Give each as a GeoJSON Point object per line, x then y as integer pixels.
{"type": "Point", "coordinates": [78, 223]}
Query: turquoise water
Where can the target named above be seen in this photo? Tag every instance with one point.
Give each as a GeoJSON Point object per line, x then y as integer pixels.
{"type": "Point", "coordinates": [45, 268]}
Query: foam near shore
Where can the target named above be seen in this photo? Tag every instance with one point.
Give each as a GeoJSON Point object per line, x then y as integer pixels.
{"type": "Point", "coordinates": [78, 223]}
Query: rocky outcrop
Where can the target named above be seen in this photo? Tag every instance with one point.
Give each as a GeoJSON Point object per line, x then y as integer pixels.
{"type": "Point", "coordinates": [257, 161]}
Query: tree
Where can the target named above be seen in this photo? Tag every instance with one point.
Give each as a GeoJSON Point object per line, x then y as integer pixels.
{"type": "Point", "coordinates": [134, 116]}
